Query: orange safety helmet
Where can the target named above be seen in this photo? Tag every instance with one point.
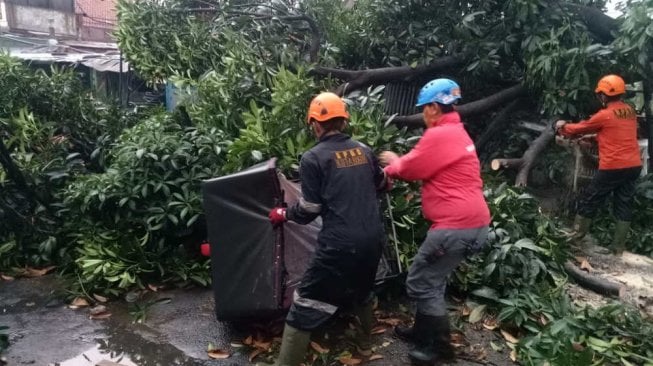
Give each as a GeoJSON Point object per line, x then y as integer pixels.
{"type": "Point", "coordinates": [611, 85]}
{"type": "Point", "coordinates": [326, 106]}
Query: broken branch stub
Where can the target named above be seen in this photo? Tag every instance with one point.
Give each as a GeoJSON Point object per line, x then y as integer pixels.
{"type": "Point", "coordinates": [524, 164]}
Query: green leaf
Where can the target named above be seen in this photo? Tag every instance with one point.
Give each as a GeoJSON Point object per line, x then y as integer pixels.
{"type": "Point", "coordinates": [477, 314]}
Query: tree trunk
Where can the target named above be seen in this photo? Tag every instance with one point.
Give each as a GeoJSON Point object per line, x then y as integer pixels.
{"type": "Point", "coordinates": [469, 109]}
{"type": "Point", "coordinates": [598, 23]}
{"type": "Point", "coordinates": [524, 164]}
{"type": "Point", "coordinates": [358, 79]}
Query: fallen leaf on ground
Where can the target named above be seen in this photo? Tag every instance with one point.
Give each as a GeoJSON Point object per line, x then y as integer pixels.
{"type": "Point", "coordinates": [490, 324]}
{"type": "Point", "coordinates": [385, 344]}
{"type": "Point", "coordinates": [6, 278]}
{"type": "Point", "coordinates": [481, 355]}
{"type": "Point", "coordinates": [509, 337]}
{"type": "Point", "coordinates": [466, 310]}
{"type": "Point", "coordinates": [153, 288]}
{"type": "Point", "coordinates": [236, 344]}
{"type": "Point", "coordinates": [79, 302]}
{"type": "Point", "coordinates": [349, 361]}
{"type": "Point", "coordinates": [458, 339]}
{"type": "Point", "coordinates": [586, 266]}
{"type": "Point", "coordinates": [390, 321]}
{"type": "Point", "coordinates": [375, 357]}
{"type": "Point", "coordinates": [496, 347]}
{"type": "Point", "coordinates": [577, 347]}
{"type": "Point", "coordinates": [477, 314]}
{"type": "Point", "coordinates": [580, 259]}
{"type": "Point", "coordinates": [99, 298]}
{"type": "Point", "coordinates": [218, 354]}
{"type": "Point", "coordinates": [364, 352]}
{"type": "Point", "coordinates": [254, 353]}
{"type": "Point", "coordinates": [262, 344]}
{"type": "Point", "coordinates": [379, 330]}
{"type": "Point", "coordinates": [34, 272]}
{"type": "Point", "coordinates": [104, 315]}
{"type": "Point", "coordinates": [248, 341]}
{"type": "Point", "coordinates": [98, 310]}
{"type": "Point", "coordinates": [513, 355]}
{"type": "Point", "coordinates": [318, 348]}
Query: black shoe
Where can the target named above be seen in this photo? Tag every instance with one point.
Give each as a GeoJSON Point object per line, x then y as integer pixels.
{"type": "Point", "coordinates": [404, 333]}
{"type": "Point", "coordinates": [432, 337]}
{"type": "Point", "coordinates": [407, 334]}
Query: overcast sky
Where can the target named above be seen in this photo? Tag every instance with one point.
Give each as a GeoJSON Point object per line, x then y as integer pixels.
{"type": "Point", "coordinates": [611, 8]}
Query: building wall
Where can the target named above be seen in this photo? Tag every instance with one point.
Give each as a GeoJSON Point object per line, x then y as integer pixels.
{"type": "Point", "coordinates": [96, 34]}
{"type": "Point", "coordinates": [97, 19]}
{"type": "Point", "coordinates": [4, 25]}
{"type": "Point", "coordinates": [40, 20]}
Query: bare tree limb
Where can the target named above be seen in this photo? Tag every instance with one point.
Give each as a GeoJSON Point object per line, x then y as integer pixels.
{"type": "Point", "coordinates": [594, 283]}
{"type": "Point", "coordinates": [358, 79]}
{"type": "Point", "coordinates": [468, 109]}
{"type": "Point", "coordinates": [524, 164]}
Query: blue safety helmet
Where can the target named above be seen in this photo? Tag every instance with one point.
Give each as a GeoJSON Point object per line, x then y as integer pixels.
{"type": "Point", "coordinates": [443, 91]}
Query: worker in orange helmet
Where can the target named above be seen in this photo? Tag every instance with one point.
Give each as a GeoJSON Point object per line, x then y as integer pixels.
{"type": "Point", "coordinates": [620, 164]}
{"type": "Point", "coordinates": [340, 179]}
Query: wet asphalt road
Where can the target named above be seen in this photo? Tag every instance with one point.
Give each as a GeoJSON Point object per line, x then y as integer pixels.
{"type": "Point", "coordinates": [44, 331]}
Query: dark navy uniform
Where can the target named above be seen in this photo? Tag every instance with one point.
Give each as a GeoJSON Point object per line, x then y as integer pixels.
{"type": "Point", "coordinates": [340, 180]}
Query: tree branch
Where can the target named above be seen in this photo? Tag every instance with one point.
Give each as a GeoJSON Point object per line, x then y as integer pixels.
{"type": "Point", "coordinates": [597, 22]}
{"type": "Point", "coordinates": [316, 35]}
{"type": "Point", "coordinates": [469, 109]}
{"type": "Point", "coordinates": [524, 164]}
{"type": "Point", "coordinates": [594, 283]}
{"type": "Point", "coordinates": [358, 79]}
{"type": "Point", "coordinates": [497, 124]}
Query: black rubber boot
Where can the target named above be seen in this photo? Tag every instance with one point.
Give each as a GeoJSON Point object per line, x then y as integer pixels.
{"type": "Point", "coordinates": [423, 336]}
{"type": "Point", "coordinates": [442, 339]}
{"type": "Point", "coordinates": [406, 333]}
{"type": "Point", "coordinates": [432, 341]}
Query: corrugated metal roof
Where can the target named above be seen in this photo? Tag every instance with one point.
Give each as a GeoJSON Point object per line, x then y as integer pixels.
{"type": "Point", "coordinates": [98, 61]}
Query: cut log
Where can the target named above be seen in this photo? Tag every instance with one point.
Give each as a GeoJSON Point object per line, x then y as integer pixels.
{"type": "Point", "coordinates": [594, 283]}
{"type": "Point", "coordinates": [524, 164]}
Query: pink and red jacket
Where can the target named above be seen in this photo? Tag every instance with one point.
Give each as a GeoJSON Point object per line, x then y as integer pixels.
{"type": "Point", "coordinates": [445, 161]}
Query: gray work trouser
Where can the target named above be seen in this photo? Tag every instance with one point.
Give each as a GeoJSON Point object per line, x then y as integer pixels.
{"type": "Point", "coordinates": [438, 256]}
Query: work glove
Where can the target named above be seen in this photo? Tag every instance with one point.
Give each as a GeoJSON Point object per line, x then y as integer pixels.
{"type": "Point", "coordinates": [277, 216]}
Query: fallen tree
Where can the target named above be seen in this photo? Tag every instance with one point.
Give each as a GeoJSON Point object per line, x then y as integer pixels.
{"type": "Point", "coordinates": [524, 164]}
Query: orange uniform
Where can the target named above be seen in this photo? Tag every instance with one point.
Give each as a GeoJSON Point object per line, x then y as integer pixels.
{"type": "Point", "coordinates": [616, 133]}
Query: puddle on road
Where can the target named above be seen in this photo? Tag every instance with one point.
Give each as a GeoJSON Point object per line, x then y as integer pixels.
{"type": "Point", "coordinates": [130, 349]}
{"type": "Point", "coordinates": [95, 356]}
